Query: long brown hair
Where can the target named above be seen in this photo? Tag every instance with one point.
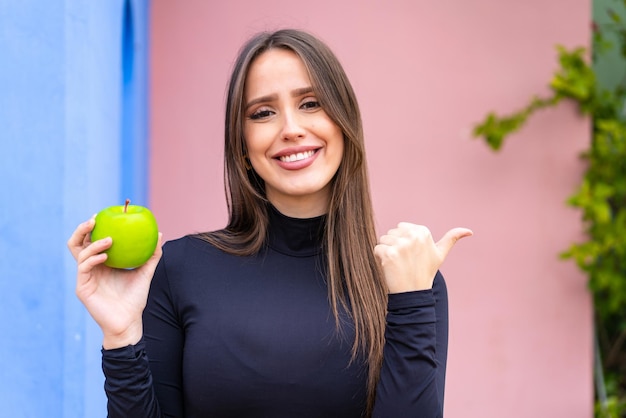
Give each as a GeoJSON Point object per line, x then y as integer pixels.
{"type": "Point", "coordinates": [354, 278]}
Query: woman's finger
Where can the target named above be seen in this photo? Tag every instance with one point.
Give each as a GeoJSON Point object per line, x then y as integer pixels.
{"type": "Point", "coordinates": [94, 248]}
{"type": "Point", "coordinates": [450, 238]}
{"type": "Point", "coordinates": [388, 240]}
{"type": "Point", "coordinates": [88, 264]}
{"type": "Point", "coordinates": [79, 237]}
{"type": "Point", "coordinates": [154, 260]}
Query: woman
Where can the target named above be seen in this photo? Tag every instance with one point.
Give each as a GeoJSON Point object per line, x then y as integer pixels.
{"type": "Point", "coordinates": [294, 309]}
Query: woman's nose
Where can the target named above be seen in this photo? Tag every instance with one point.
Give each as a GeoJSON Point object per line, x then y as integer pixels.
{"type": "Point", "coordinates": [292, 127]}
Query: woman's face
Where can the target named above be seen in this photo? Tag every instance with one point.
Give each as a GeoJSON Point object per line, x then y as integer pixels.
{"type": "Point", "coordinates": [292, 143]}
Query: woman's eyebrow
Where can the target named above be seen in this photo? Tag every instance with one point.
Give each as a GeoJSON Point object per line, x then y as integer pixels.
{"type": "Point", "coordinates": [302, 91]}
{"type": "Point", "coordinates": [270, 97]}
{"type": "Point", "coordinates": [261, 99]}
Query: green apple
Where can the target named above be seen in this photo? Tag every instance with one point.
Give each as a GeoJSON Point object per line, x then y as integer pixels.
{"type": "Point", "coordinates": [134, 232]}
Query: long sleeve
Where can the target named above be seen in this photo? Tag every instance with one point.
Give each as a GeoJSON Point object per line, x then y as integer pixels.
{"type": "Point", "coordinates": [145, 380]}
{"type": "Point", "coordinates": [412, 378]}
{"type": "Point", "coordinates": [128, 383]}
{"type": "Point", "coordinates": [164, 335]}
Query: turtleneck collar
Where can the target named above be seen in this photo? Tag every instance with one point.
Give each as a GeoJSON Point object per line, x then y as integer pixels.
{"type": "Point", "coordinates": [294, 236]}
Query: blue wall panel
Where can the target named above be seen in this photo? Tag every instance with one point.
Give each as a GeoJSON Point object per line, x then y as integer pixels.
{"type": "Point", "coordinates": [61, 160]}
{"type": "Point", "coordinates": [31, 263]}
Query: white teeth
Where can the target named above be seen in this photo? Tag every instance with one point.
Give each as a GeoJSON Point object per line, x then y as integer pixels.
{"type": "Point", "coordinates": [297, 157]}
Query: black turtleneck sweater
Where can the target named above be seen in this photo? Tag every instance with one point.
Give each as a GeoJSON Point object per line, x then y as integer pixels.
{"type": "Point", "coordinates": [231, 336]}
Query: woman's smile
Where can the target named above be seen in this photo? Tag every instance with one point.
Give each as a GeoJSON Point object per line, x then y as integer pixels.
{"type": "Point", "coordinates": [291, 159]}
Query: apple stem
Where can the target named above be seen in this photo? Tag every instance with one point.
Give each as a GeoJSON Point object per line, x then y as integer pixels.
{"type": "Point", "coordinates": [126, 205]}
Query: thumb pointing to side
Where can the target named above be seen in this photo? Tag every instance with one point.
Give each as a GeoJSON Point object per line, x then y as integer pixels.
{"type": "Point", "coordinates": [450, 238]}
{"type": "Point", "coordinates": [410, 258]}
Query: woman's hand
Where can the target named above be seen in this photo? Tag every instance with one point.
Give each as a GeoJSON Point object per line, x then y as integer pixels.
{"type": "Point", "coordinates": [410, 258]}
{"type": "Point", "coordinates": [115, 298]}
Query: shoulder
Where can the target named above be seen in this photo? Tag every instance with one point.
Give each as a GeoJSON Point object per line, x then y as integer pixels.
{"type": "Point", "coordinates": [188, 248]}
{"type": "Point", "coordinates": [190, 253]}
{"type": "Point", "coordinates": [194, 242]}
{"type": "Point", "coordinates": [179, 245]}
{"type": "Point", "coordinates": [188, 262]}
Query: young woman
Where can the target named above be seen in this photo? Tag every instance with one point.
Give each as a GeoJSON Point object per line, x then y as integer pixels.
{"type": "Point", "coordinates": [294, 309]}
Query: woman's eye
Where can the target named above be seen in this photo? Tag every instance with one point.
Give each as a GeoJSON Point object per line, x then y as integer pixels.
{"type": "Point", "coordinates": [260, 114]}
{"type": "Point", "coordinates": [311, 104]}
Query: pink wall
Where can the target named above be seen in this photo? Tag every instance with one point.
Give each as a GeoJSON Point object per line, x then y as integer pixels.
{"type": "Point", "coordinates": [425, 72]}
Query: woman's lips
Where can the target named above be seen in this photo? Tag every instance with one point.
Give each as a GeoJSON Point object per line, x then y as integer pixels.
{"type": "Point", "coordinates": [296, 160]}
{"type": "Point", "coordinates": [296, 157]}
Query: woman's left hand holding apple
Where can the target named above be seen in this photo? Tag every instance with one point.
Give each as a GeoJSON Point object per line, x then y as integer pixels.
{"type": "Point", "coordinates": [410, 257]}
{"type": "Point", "coordinates": [115, 298]}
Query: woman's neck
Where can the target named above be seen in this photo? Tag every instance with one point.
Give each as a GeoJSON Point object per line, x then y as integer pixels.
{"type": "Point", "coordinates": [302, 207]}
